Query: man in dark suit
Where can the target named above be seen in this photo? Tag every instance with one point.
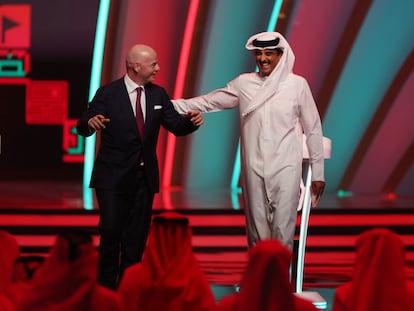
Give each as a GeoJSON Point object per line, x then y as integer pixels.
{"type": "Point", "coordinates": [125, 174]}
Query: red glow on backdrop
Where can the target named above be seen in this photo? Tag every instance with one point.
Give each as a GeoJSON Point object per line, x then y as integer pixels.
{"type": "Point", "coordinates": [73, 144]}
{"type": "Point", "coordinates": [46, 102]}
{"type": "Point", "coordinates": [15, 26]}
{"type": "Point", "coordinates": [179, 86]}
{"type": "Point", "coordinates": [14, 81]}
{"type": "Point", "coordinates": [391, 196]}
{"type": "Point", "coordinates": [14, 40]}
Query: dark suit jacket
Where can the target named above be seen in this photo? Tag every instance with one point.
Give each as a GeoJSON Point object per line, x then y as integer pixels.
{"type": "Point", "coordinates": [121, 146]}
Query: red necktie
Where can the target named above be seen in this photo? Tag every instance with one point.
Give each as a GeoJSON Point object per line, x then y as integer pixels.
{"type": "Point", "coordinates": [138, 113]}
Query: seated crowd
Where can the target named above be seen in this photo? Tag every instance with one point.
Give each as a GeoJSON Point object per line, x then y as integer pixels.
{"type": "Point", "coordinates": [169, 276]}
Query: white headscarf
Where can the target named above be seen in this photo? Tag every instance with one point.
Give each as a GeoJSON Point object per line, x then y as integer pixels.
{"type": "Point", "coordinates": [279, 74]}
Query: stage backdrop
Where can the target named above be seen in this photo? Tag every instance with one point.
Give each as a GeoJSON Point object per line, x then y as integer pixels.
{"type": "Point", "coordinates": [357, 56]}
{"type": "Point", "coordinates": [45, 61]}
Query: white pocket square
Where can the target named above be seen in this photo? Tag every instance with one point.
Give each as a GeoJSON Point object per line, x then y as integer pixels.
{"type": "Point", "coordinates": [157, 107]}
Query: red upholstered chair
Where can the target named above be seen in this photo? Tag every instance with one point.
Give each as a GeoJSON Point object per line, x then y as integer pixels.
{"type": "Point", "coordinates": [9, 252]}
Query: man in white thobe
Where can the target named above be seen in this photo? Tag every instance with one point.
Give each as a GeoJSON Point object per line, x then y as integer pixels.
{"type": "Point", "coordinates": [276, 107]}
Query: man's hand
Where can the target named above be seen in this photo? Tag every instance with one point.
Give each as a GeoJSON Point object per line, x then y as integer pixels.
{"type": "Point", "coordinates": [196, 117]}
{"type": "Point", "coordinates": [317, 188]}
{"type": "Point", "coordinates": [97, 122]}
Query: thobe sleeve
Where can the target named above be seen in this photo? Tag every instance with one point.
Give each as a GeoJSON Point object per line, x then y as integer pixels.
{"type": "Point", "coordinates": [220, 99]}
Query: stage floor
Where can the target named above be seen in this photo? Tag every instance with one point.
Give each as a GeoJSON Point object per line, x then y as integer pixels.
{"type": "Point", "coordinates": [35, 211]}
{"type": "Point", "coordinates": [55, 195]}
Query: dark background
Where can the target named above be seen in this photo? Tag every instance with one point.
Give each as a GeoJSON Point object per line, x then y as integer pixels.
{"type": "Point", "coordinates": [62, 38]}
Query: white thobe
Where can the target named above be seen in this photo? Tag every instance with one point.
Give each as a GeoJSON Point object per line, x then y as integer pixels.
{"type": "Point", "coordinates": [273, 115]}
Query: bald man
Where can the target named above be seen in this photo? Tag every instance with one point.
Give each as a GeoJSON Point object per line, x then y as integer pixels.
{"type": "Point", "coordinates": [128, 113]}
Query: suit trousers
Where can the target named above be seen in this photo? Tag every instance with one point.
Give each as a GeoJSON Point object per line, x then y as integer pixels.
{"type": "Point", "coordinates": [124, 223]}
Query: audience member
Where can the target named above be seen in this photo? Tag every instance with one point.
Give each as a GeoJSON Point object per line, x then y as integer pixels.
{"type": "Point", "coordinates": [9, 252]}
{"type": "Point", "coordinates": [266, 283]}
{"type": "Point", "coordinates": [67, 280]}
{"type": "Point", "coordinates": [22, 272]}
{"type": "Point", "coordinates": [379, 280]}
{"type": "Point", "coordinates": [25, 267]}
{"type": "Point", "coordinates": [169, 277]}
